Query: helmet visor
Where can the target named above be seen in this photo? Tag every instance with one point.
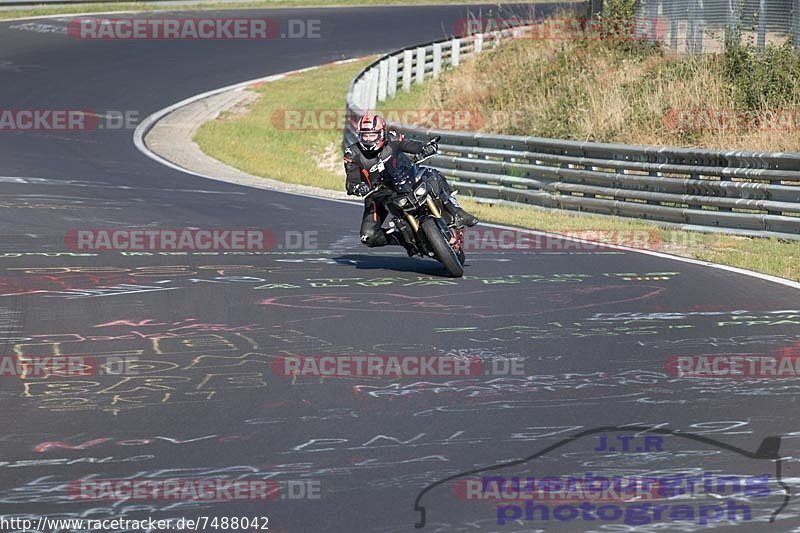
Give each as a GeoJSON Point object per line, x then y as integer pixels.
{"type": "Point", "coordinates": [370, 137]}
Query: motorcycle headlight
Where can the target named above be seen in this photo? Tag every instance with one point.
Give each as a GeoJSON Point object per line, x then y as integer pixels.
{"type": "Point", "coordinates": [421, 191]}
{"type": "Point", "coordinates": [402, 202]}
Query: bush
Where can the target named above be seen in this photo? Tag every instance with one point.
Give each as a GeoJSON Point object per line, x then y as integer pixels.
{"type": "Point", "coordinates": [616, 27]}
{"type": "Point", "coordinates": [619, 10]}
{"type": "Point", "coordinates": [762, 79]}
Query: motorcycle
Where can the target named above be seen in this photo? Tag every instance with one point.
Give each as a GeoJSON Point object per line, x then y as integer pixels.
{"type": "Point", "coordinates": [417, 218]}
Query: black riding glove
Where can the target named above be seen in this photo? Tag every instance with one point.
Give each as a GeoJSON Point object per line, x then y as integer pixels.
{"type": "Point", "coordinates": [360, 189]}
{"type": "Point", "coordinates": [429, 149]}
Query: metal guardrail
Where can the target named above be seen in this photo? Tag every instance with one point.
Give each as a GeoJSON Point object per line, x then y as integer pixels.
{"type": "Point", "coordinates": [745, 193]}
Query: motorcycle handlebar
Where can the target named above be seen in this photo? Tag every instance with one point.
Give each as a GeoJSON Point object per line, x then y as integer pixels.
{"type": "Point", "coordinates": [379, 190]}
{"type": "Point", "coordinates": [435, 140]}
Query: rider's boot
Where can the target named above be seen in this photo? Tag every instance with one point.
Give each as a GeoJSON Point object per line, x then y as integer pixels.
{"type": "Point", "coordinates": [462, 218]}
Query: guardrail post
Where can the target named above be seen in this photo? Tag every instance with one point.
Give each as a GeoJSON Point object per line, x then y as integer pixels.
{"type": "Point", "coordinates": [455, 51]}
{"type": "Point", "coordinates": [437, 59]}
{"type": "Point", "coordinates": [383, 79]}
{"type": "Point", "coordinates": [408, 59]}
{"type": "Point", "coordinates": [364, 104]}
{"type": "Point", "coordinates": [392, 88]}
{"type": "Point", "coordinates": [356, 99]}
{"type": "Point", "coordinates": [372, 89]}
{"type": "Point", "coordinates": [477, 46]}
{"type": "Point", "coordinates": [420, 77]}
{"type": "Point", "coordinates": [360, 93]}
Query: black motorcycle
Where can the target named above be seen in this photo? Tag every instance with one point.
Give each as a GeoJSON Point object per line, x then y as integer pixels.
{"type": "Point", "coordinates": [417, 219]}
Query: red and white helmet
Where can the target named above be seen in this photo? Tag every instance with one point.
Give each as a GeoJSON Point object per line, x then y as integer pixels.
{"type": "Point", "coordinates": [371, 132]}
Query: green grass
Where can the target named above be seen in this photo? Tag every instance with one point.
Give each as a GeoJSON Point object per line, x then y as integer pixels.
{"type": "Point", "coordinates": [45, 9]}
{"type": "Point", "coordinates": [250, 141]}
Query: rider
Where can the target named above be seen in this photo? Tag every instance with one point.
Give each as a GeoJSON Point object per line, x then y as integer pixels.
{"type": "Point", "coordinates": [375, 143]}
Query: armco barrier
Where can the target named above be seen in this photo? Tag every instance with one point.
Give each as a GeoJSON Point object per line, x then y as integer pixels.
{"type": "Point", "coordinates": [744, 193]}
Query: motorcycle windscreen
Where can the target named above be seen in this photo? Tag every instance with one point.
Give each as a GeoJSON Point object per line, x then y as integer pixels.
{"type": "Point", "coordinates": [402, 172]}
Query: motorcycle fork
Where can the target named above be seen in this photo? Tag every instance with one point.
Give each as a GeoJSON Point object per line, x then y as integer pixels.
{"type": "Point", "coordinates": [433, 208]}
{"type": "Point", "coordinates": [413, 221]}
{"type": "Point", "coordinates": [405, 231]}
{"type": "Point", "coordinates": [455, 237]}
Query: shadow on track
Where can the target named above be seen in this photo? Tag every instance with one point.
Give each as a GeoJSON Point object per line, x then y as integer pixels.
{"type": "Point", "coordinates": [397, 263]}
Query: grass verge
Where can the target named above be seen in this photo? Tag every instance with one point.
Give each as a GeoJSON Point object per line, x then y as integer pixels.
{"type": "Point", "coordinates": [249, 140]}
{"type": "Point", "coordinates": [255, 140]}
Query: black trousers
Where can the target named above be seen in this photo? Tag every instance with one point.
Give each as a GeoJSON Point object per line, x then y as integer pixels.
{"type": "Point", "coordinates": [371, 233]}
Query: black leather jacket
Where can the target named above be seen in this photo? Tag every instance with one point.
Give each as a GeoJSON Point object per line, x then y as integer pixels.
{"type": "Point", "coordinates": [357, 162]}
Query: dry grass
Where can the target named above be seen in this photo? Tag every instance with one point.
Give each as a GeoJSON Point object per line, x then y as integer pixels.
{"type": "Point", "coordinates": [589, 91]}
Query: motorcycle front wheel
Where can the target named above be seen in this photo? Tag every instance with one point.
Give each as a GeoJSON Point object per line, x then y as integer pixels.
{"type": "Point", "coordinates": [444, 252]}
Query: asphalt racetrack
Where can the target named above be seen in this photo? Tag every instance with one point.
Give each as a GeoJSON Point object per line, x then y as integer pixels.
{"type": "Point", "coordinates": [590, 335]}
